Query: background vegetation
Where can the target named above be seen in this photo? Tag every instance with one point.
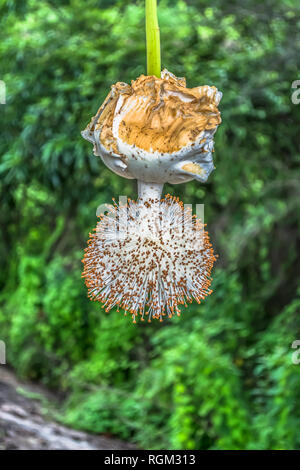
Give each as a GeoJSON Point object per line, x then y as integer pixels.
{"type": "Point", "coordinates": [221, 376]}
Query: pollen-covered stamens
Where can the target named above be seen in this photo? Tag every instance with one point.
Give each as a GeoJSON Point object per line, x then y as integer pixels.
{"type": "Point", "coordinates": [148, 258]}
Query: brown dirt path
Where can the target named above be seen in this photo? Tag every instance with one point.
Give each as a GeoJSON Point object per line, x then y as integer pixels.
{"type": "Point", "coordinates": [23, 426]}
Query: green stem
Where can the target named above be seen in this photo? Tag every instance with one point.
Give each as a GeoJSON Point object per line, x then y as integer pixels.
{"type": "Point", "coordinates": [152, 39]}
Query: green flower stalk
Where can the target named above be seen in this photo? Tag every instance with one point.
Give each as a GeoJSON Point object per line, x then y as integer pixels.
{"type": "Point", "coordinates": [152, 39]}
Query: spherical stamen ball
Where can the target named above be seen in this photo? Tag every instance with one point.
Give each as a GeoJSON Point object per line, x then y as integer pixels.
{"type": "Point", "coordinates": [148, 258]}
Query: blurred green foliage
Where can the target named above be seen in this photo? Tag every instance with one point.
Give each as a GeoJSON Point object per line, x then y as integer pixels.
{"type": "Point", "coordinates": [221, 376]}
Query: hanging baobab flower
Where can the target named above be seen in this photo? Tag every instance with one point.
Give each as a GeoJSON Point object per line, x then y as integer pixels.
{"type": "Point", "coordinates": [151, 256]}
